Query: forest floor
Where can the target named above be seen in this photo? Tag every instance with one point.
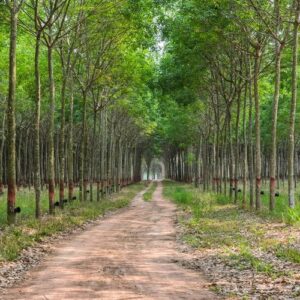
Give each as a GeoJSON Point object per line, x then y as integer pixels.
{"type": "Point", "coordinates": [244, 255]}
{"type": "Point", "coordinates": [132, 254]}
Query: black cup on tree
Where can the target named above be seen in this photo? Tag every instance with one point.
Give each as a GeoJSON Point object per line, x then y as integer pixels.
{"type": "Point", "coordinates": [17, 210]}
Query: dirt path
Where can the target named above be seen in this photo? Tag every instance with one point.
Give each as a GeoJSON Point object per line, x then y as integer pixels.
{"type": "Point", "coordinates": [127, 256]}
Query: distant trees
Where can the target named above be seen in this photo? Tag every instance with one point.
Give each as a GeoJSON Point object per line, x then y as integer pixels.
{"type": "Point", "coordinates": [79, 55]}
{"type": "Point", "coordinates": [239, 63]}
{"type": "Point", "coordinates": [219, 103]}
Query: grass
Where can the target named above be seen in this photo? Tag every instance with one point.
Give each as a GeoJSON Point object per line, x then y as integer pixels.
{"type": "Point", "coordinates": [288, 253]}
{"type": "Point", "coordinates": [28, 231]}
{"type": "Point", "coordinates": [149, 193]}
{"type": "Point", "coordinates": [211, 221]}
{"type": "Point", "coordinates": [246, 260]}
{"type": "Point", "coordinates": [281, 212]}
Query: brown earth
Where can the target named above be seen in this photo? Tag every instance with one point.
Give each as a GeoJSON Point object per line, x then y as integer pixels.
{"type": "Point", "coordinates": [131, 255]}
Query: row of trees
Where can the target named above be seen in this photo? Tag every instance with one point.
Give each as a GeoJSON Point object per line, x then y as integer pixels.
{"type": "Point", "coordinates": [85, 96]}
{"type": "Point", "coordinates": [75, 83]}
{"type": "Point", "coordinates": [230, 76]}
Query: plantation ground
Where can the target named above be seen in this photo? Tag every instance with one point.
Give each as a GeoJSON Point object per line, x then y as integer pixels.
{"type": "Point", "coordinates": [205, 248]}
{"type": "Point", "coordinates": [243, 254]}
{"type": "Point", "coordinates": [131, 255]}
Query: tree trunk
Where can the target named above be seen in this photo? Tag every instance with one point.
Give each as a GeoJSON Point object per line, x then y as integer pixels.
{"type": "Point", "coordinates": [70, 149]}
{"type": "Point", "coordinates": [250, 145]}
{"type": "Point", "coordinates": [11, 122]}
{"type": "Point", "coordinates": [82, 194]}
{"type": "Point", "coordinates": [62, 144]}
{"type": "Point", "coordinates": [291, 142]}
{"type": "Point", "coordinates": [257, 129]}
{"type": "Point", "coordinates": [236, 164]}
{"type": "Point", "coordinates": [1, 153]}
{"type": "Point", "coordinates": [93, 155]}
{"type": "Point", "coordinates": [51, 161]}
{"type": "Point", "coordinates": [36, 147]}
{"type": "Point", "coordinates": [273, 158]}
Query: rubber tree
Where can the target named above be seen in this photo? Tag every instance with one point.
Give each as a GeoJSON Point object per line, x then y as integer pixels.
{"type": "Point", "coordinates": [57, 13]}
{"type": "Point", "coordinates": [14, 8]}
{"type": "Point", "coordinates": [291, 138]}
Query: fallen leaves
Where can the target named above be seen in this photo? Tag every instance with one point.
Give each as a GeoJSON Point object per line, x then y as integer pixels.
{"type": "Point", "coordinates": [261, 274]}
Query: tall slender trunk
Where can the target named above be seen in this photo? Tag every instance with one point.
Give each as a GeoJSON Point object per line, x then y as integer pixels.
{"type": "Point", "coordinates": [1, 153]}
{"type": "Point", "coordinates": [82, 194]}
{"type": "Point", "coordinates": [197, 167]}
{"type": "Point", "coordinates": [257, 129]}
{"type": "Point", "coordinates": [250, 144]}
{"type": "Point", "coordinates": [92, 169]}
{"type": "Point", "coordinates": [37, 113]}
{"type": "Point", "coordinates": [120, 165]}
{"type": "Point", "coordinates": [11, 122]}
{"type": "Point", "coordinates": [103, 150]}
{"type": "Point", "coordinates": [273, 158]}
{"type": "Point", "coordinates": [291, 142]}
{"type": "Point", "coordinates": [62, 143]}
{"type": "Point", "coordinates": [19, 176]}
{"type": "Point", "coordinates": [70, 148]}
{"type": "Point", "coordinates": [236, 164]}
{"type": "Point", "coordinates": [245, 150]}
{"type": "Point", "coordinates": [51, 160]}
{"type": "Point", "coordinates": [231, 158]}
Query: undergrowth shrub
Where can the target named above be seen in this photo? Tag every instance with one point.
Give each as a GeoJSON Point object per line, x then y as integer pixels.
{"type": "Point", "coordinates": [291, 215]}
{"type": "Point", "coordinates": [222, 199]}
{"type": "Point", "coordinates": [182, 196]}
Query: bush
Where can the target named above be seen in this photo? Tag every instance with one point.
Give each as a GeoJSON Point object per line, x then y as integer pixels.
{"type": "Point", "coordinates": [222, 199]}
{"type": "Point", "coordinates": [182, 196]}
{"type": "Point", "coordinates": [292, 215]}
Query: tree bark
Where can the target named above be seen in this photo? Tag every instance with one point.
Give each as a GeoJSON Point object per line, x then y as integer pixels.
{"type": "Point", "coordinates": [51, 160]}
{"type": "Point", "coordinates": [273, 158]}
{"type": "Point", "coordinates": [82, 194]}
{"type": "Point", "coordinates": [36, 147]}
{"type": "Point", "coordinates": [291, 142]}
{"type": "Point", "coordinates": [257, 129]}
{"type": "Point", "coordinates": [70, 149]}
{"type": "Point", "coordinates": [11, 122]}
{"type": "Point", "coordinates": [62, 143]}
{"type": "Point", "coordinates": [1, 152]}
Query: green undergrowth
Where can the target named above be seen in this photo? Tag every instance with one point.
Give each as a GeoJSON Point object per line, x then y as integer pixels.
{"type": "Point", "coordinates": [288, 253]}
{"type": "Point", "coordinates": [149, 193]}
{"type": "Point", "coordinates": [212, 221]}
{"type": "Point", "coordinates": [28, 230]}
{"type": "Point", "coordinates": [282, 212]}
{"type": "Point", "coordinates": [245, 260]}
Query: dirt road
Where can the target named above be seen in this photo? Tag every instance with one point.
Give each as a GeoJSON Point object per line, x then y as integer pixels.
{"type": "Point", "coordinates": [127, 256]}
